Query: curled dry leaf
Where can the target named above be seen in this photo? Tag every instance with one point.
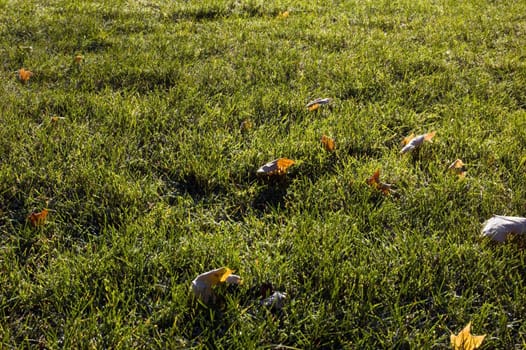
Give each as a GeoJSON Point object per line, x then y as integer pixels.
{"type": "Point", "coordinates": [315, 104]}
{"type": "Point", "coordinates": [410, 142]}
{"type": "Point", "coordinates": [328, 143]}
{"type": "Point", "coordinates": [375, 182]}
{"type": "Point", "coordinates": [458, 167]}
{"type": "Point", "coordinates": [499, 227]}
{"type": "Point", "coordinates": [202, 285]}
{"type": "Point", "coordinates": [38, 219]}
{"type": "Point", "coordinates": [24, 75]}
{"type": "Point", "coordinates": [276, 167]}
{"type": "Point", "coordinates": [465, 340]}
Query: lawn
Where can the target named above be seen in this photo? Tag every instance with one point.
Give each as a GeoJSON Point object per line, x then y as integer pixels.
{"type": "Point", "coordinates": [141, 129]}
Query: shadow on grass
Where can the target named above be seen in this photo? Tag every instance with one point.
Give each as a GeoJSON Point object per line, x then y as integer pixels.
{"type": "Point", "coordinates": [272, 194]}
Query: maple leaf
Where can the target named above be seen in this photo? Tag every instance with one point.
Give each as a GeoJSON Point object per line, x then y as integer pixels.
{"type": "Point", "coordinates": [465, 340]}
{"type": "Point", "coordinates": [202, 285]}
{"type": "Point", "coordinates": [328, 143]}
{"type": "Point", "coordinates": [276, 167]}
{"type": "Point", "coordinates": [414, 142]}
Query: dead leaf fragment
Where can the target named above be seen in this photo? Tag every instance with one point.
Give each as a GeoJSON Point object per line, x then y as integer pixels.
{"type": "Point", "coordinates": [375, 182]}
{"type": "Point", "coordinates": [275, 301]}
{"type": "Point", "coordinates": [414, 142]}
{"type": "Point", "coordinates": [276, 167]}
{"type": "Point", "coordinates": [458, 167]}
{"type": "Point", "coordinates": [465, 340]}
{"type": "Point", "coordinates": [315, 104]}
{"type": "Point", "coordinates": [38, 219]}
{"type": "Point", "coordinates": [499, 227]}
{"type": "Point", "coordinates": [328, 143]}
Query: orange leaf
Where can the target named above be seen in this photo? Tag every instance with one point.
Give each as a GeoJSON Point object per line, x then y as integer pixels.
{"type": "Point", "coordinates": [24, 75]}
{"type": "Point", "coordinates": [328, 143]}
{"type": "Point", "coordinates": [38, 219]}
{"type": "Point", "coordinates": [276, 167]}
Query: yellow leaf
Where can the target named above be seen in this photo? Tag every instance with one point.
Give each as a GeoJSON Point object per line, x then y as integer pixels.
{"type": "Point", "coordinates": [465, 340]}
{"type": "Point", "coordinates": [315, 104]}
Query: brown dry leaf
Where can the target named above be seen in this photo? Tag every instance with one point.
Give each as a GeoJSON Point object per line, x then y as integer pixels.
{"type": "Point", "coordinates": [78, 58]}
{"type": "Point", "coordinates": [465, 340]}
{"type": "Point", "coordinates": [276, 167]}
{"type": "Point", "coordinates": [375, 182]}
{"type": "Point", "coordinates": [328, 143]}
{"type": "Point", "coordinates": [38, 219]}
{"type": "Point", "coordinates": [458, 167]}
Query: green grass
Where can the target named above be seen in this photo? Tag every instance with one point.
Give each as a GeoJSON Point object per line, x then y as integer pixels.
{"type": "Point", "coordinates": [150, 182]}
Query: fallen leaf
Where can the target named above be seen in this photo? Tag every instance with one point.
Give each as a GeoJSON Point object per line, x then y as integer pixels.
{"type": "Point", "coordinates": [315, 104]}
{"type": "Point", "coordinates": [202, 285]}
{"type": "Point", "coordinates": [414, 142]}
{"type": "Point", "coordinates": [328, 143]}
{"type": "Point", "coordinates": [38, 219]}
{"type": "Point", "coordinates": [375, 182]}
{"type": "Point", "coordinates": [55, 118]}
{"type": "Point", "coordinates": [458, 167]}
{"type": "Point", "coordinates": [275, 301]}
{"type": "Point", "coordinates": [284, 14]}
{"type": "Point", "coordinates": [276, 167]}
{"type": "Point", "coordinates": [78, 58]}
{"type": "Point", "coordinates": [24, 75]}
{"type": "Point", "coordinates": [245, 125]}
{"type": "Point", "coordinates": [465, 340]}
{"type": "Point", "coordinates": [499, 227]}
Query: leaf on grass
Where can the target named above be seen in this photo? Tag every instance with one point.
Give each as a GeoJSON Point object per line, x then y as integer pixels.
{"type": "Point", "coordinates": [55, 119]}
{"type": "Point", "coordinates": [78, 59]}
{"type": "Point", "coordinates": [414, 142]}
{"type": "Point", "coordinates": [245, 125]}
{"type": "Point", "coordinates": [465, 340]}
{"type": "Point", "coordinates": [202, 285]}
{"type": "Point", "coordinates": [315, 104]}
{"type": "Point", "coordinates": [38, 219]}
{"type": "Point", "coordinates": [375, 182]}
{"type": "Point", "coordinates": [276, 167]}
{"type": "Point", "coordinates": [24, 75]}
{"type": "Point", "coordinates": [328, 143]}
{"type": "Point", "coordinates": [284, 15]}
{"type": "Point", "coordinates": [458, 167]}
{"type": "Point", "coordinates": [499, 227]}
